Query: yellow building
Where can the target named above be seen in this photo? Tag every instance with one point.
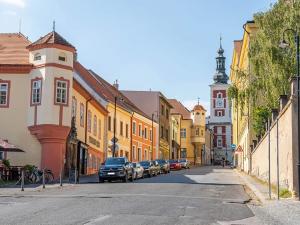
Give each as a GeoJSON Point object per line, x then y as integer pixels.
{"type": "Point", "coordinates": [175, 135]}
{"type": "Point", "coordinates": [192, 131]}
{"type": "Point", "coordinates": [49, 104]}
{"type": "Point", "coordinates": [240, 74]}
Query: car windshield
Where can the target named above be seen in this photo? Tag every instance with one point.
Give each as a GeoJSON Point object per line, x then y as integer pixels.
{"type": "Point", "coordinates": [182, 160]}
{"type": "Point", "coordinates": [145, 163]}
{"type": "Point", "coordinates": [173, 161]}
{"type": "Point", "coordinates": [161, 161]}
{"type": "Point", "coordinates": [115, 161]}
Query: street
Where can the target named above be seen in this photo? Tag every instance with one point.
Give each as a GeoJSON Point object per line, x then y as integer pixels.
{"type": "Point", "coordinates": [205, 195]}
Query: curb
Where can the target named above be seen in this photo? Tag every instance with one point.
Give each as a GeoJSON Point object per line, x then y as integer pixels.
{"type": "Point", "coordinates": [252, 187]}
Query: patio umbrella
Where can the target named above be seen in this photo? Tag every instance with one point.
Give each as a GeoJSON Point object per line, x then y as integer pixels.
{"type": "Point", "coordinates": [6, 147]}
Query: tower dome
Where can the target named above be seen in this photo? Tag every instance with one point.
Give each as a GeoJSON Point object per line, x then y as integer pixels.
{"type": "Point", "coordinates": [220, 75]}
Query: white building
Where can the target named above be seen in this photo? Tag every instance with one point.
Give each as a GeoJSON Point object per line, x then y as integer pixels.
{"type": "Point", "coordinates": [220, 117]}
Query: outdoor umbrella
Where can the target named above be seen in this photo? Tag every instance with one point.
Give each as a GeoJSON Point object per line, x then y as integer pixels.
{"type": "Point", "coordinates": [6, 147]}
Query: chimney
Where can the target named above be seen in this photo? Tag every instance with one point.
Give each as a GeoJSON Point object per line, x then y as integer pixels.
{"type": "Point", "coordinates": [116, 85]}
{"type": "Point", "coordinates": [283, 99]}
{"type": "Point", "coordinates": [274, 114]}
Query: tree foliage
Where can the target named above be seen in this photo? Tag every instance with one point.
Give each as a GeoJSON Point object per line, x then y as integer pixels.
{"type": "Point", "coordinates": [270, 66]}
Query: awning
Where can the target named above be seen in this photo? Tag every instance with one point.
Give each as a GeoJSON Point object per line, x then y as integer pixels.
{"type": "Point", "coordinates": [6, 147]}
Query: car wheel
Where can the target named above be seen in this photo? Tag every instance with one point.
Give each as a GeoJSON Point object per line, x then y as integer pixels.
{"type": "Point", "coordinates": [132, 178]}
{"type": "Point", "coordinates": [101, 180]}
{"type": "Point", "coordinates": [125, 179]}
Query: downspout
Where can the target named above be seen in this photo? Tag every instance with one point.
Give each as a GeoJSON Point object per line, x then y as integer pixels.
{"type": "Point", "coordinates": [131, 121]}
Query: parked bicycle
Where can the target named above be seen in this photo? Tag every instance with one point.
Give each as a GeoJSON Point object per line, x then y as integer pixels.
{"type": "Point", "coordinates": [35, 176]}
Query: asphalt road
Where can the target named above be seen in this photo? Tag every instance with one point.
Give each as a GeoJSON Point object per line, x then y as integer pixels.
{"type": "Point", "coordinates": [206, 195]}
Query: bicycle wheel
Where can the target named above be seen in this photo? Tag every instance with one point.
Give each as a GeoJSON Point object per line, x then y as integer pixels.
{"type": "Point", "coordinates": [49, 178]}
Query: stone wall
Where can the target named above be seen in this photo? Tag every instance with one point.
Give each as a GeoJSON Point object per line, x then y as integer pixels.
{"type": "Point", "coordinates": [283, 141]}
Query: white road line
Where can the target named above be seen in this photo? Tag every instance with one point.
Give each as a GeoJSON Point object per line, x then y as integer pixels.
{"type": "Point", "coordinates": [98, 219]}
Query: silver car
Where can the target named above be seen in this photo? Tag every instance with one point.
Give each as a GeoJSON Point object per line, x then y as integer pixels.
{"type": "Point", "coordinates": [138, 170]}
{"type": "Point", "coordinates": [184, 163]}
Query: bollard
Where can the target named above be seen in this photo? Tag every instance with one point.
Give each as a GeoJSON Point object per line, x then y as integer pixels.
{"type": "Point", "coordinates": [60, 179]}
{"type": "Point", "coordinates": [22, 180]}
{"type": "Point", "coordinates": [43, 178]}
{"type": "Point", "coordinates": [75, 176]}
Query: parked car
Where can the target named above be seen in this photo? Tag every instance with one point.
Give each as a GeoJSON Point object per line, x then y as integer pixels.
{"type": "Point", "coordinates": [138, 170]}
{"type": "Point", "coordinates": [175, 164]}
{"type": "Point", "coordinates": [149, 168]}
{"type": "Point", "coordinates": [116, 168]}
{"type": "Point", "coordinates": [184, 163]}
{"type": "Point", "coordinates": [156, 166]}
{"type": "Point", "coordinates": [164, 165]}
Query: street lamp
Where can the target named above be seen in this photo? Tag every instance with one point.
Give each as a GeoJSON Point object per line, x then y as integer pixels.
{"type": "Point", "coordinates": [285, 44]}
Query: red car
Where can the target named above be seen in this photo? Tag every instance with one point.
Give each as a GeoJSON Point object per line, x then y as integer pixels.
{"type": "Point", "coordinates": [175, 164]}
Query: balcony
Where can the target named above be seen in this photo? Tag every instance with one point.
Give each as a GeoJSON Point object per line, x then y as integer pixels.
{"type": "Point", "coordinates": [197, 139]}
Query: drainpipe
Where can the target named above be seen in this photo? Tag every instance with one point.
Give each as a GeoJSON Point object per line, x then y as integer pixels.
{"type": "Point", "coordinates": [131, 121]}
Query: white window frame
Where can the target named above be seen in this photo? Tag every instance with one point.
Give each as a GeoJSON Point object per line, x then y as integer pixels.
{"type": "Point", "coordinates": [219, 142]}
{"type": "Point", "coordinates": [36, 94]}
{"type": "Point", "coordinates": [183, 132]}
{"type": "Point", "coordinates": [61, 93]}
{"type": "Point", "coordinates": [145, 133]}
{"type": "Point", "coordinates": [6, 94]}
{"type": "Point", "coordinates": [134, 127]}
{"type": "Point", "coordinates": [140, 130]}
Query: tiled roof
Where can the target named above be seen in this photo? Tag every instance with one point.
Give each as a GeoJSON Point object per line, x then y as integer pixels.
{"type": "Point", "coordinates": [52, 38]}
{"type": "Point", "coordinates": [179, 108]}
{"type": "Point", "coordinates": [199, 107]}
{"type": "Point", "coordinates": [13, 48]}
{"type": "Point", "coordinates": [106, 90]}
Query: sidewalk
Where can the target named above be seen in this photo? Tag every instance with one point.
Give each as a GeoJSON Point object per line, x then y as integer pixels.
{"type": "Point", "coordinates": [284, 211]}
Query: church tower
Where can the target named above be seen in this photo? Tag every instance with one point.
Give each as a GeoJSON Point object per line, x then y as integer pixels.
{"type": "Point", "coordinates": [220, 117]}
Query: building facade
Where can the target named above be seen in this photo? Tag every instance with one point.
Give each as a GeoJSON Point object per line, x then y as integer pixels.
{"type": "Point", "coordinates": [155, 105]}
{"type": "Point", "coordinates": [220, 112]}
{"type": "Point", "coordinates": [242, 133]}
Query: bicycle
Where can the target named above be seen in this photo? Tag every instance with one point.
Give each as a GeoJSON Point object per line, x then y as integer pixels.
{"type": "Point", "coordinates": [37, 176]}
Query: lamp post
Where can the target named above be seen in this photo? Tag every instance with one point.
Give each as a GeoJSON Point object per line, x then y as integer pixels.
{"type": "Point", "coordinates": [284, 44]}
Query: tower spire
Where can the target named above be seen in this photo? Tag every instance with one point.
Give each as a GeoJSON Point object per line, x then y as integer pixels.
{"type": "Point", "coordinates": [53, 28]}
{"type": "Point", "coordinates": [220, 75]}
{"type": "Point", "coordinates": [220, 40]}
{"type": "Point", "coordinates": [198, 101]}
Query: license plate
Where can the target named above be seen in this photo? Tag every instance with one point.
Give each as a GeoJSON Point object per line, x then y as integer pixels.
{"type": "Point", "coordinates": [110, 173]}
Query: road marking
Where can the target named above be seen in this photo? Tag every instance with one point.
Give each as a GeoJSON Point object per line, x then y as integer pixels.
{"type": "Point", "coordinates": [98, 219]}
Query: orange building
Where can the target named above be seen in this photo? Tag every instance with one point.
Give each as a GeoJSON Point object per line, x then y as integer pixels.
{"type": "Point", "coordinates": [143, 138]}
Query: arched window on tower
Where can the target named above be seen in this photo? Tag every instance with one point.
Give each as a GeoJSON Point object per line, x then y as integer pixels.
{"type": "Point", "coordinates": [219, 95]}
{"type": "Point", "coordinates": [37, 56]}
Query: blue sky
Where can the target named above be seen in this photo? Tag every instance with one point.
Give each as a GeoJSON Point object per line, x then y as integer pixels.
{"type": "Point", "coordinates": [165, 45]}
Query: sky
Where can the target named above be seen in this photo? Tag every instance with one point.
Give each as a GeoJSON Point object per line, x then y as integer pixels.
{"type": "Point", "coordinates": [162, 45]}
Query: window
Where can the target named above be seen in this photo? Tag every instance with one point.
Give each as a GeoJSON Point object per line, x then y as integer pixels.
{"type": "Point", "coordinates": [219, 95]}
{"type": "Point", "coordinates": [81, 115]}
{"type": "Point", "coordinates": [126, 130]}
{"type": "Point", "coordinates": [161, 132]}
{"type": "Point", "coordinates": [197, 131]}
{"type": "Point", "coordinates": [4, 93]}
{"type": "Point", "coordinates": [74, 107]}
{"type": "Point", "coordinates": [167, 134]}
{"type": "Point", "coordinates": [145, 156]}
{"type": "Point", "coordinates": [183, 133]}
{"type": "Point", "coordinates": [219, 141]}
{"type": "Point", "coordinates": [62, 57]}
{"type": "Point", "coordinates": [167, 113]}
{"type": "Point", "coordinates": [183, 153]}
{"type": "Point", "coordinates": [202, 133]}
{"type": "Point", "coordinates": [140, 130]}
{"type": "Point", "coordinates": [109, 123]}
{"type": "Point", "coordinates": [61, 91]}
{"type": "Point", "coordinates": [89, 121]}
{"type": "Point", "coordinates": [139, 154]}
{"type": "Point", "coordinates": [134, 128]}
{"type": "Point", "coordinates": [99, 129]}
{"type": "Point", "coordinates": [95, 127]}
{"type": "Point", "coordinates": [162, 110]}
{"type": "Point", "coordinates": [121, 128]}
{"type": "Point", "coordinates": [150, 135]}
{"type": "Point", "coordinates": [37, 57]}
{"type": "Point", "coordinates": [36, 91]}
{"type": "Point", "coordinates": [219, 113]}
{"type": "Point", "coordinates": [145, 133]}
{"type": "Point", "coordinates": [133, 152]}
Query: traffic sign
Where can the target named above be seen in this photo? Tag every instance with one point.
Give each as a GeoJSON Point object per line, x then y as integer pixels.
{"type": "Point", "coordinates": [233, 146]}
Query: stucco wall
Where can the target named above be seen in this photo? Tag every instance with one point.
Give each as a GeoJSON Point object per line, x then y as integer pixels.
{"type": "Point", "coordinates": [260, 156]}
{"type": "Point", "coordinates": [13, 122]}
